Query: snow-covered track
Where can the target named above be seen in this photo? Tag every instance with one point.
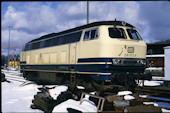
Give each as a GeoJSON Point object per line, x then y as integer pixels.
{"type": "Point", "coordinates": [18, 80]}
{"type": "Point", "coordinates": [158, 91]}
{"type": "Point", "coordinates": [14, 76]}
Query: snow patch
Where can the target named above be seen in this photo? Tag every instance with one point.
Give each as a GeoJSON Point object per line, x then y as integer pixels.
{"type": "Point", "coordinates": [158, 78]}
{"type": "Point", "coordinates": [16, 98]}
{"type": "Point", "coordinates": [57, 91]}
{"type": "Point", "coordinates": [129, 97]}
{"type": "Point", "coordinates": [85, 106]}
{"type": "Point", "coordinates": [157, 98]}
{"type": "Point", "coordinates": [165, 110]}
{"type": "Point", "coordinates": [150, 83]}
{"type": "Point", "coordinates": [80, 87]}
{"type": "Point", "coordinates": [124, 93]}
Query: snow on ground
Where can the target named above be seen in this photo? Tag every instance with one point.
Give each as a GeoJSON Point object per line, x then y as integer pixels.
{"type": "Point", "coordinates": [154, 69]}
{"type": "Point", "coordinates": [57, 91]}
{"type": "Point", "coordinates": [12, 68]}
{"type": "Point", "coordinates": [158, 78]}
{"type": "Point", "coordinates": [129, 97]}
{"type": "Point", "coordinates": [80, 87]}
{"type": "Point", "coordinates": [165, 110]}
{"type": "Point", "coordinates": [17, 97]}
{"type": "Point", "coordinates": [85, 106]}
{"type": "Point", "coordinates": [124, 93]}
{"type": "Point", "coordinates": [157, 98]}
{"type": "Point", "coordinates": [150, 83]}
{"type": "Point", "coordinates": [11, 71]}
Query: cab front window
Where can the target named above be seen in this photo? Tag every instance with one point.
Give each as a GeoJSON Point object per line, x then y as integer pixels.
{"type": "Point", "coordinates": [133, 34]}
{"type": "Point", "coordinates": [117, 33]}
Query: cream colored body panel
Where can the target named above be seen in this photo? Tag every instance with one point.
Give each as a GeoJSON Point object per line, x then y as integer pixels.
{"type": "Point", "coordinates": [50, 55]}
{"type": "Point", "coordinates": [106, 47]}
{"type": "Point", "coordinates": [102, 47]}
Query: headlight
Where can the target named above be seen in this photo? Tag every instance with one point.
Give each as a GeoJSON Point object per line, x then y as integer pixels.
{"type": "Point", "coordinates": [143, 62]}
{"type": "Point", "coordinates": [117, 61]}
{"type": "Point", "coordinates": [139, 61]}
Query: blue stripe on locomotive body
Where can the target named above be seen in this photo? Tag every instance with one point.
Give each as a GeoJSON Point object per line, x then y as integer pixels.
{"type": "Point", "coordinates": [24, 62]}
{"type": "Point", "coordinates": [77, 68]}
{"type": "Point", "coordinates": [91, 69]}
{"type": "Point", "coordinates": [95, 60]}
{"type": "Point", "coordinates": [124, 68]}
{"type": "Point", "coordinates": [100, 68]}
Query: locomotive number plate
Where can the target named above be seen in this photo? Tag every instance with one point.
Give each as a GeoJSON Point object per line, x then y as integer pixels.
{"type": "Point", "coordinates": [130, 50]}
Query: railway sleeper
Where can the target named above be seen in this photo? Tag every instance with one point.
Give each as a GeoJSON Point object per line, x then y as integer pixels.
{"type": "Point", "coordinates": [117, 103]}
{"type": "Point", "coordinates": [153, 91]}
{"type": "Point", "coordinates": [143, 108]}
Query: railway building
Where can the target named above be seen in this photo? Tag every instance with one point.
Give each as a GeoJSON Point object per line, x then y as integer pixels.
{"type": "Point", "coordinates": [155, 58]}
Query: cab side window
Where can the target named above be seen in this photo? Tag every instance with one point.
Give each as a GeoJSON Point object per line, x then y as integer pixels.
{"type": "Point", "coordinates": [87, 35]}
{"type": "Point", "coordinates": [94, 33]}
{"type": "Point", "coordinates": [91, 34]}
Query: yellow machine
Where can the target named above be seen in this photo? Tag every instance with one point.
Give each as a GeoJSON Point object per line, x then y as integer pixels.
{"type": "Point", "coordinates": [11, 63]}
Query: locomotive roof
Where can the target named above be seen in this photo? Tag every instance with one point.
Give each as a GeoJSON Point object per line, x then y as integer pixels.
{"type": "Point", "coordinates": [83, 27]}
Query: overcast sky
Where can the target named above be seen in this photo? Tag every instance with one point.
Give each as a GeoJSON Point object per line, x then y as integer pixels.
{"type": "Point", "coordinates": [30, 20]}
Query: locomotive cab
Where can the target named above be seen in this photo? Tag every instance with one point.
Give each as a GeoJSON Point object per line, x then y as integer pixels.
{"type": "Point", "coordinates": [127, 50]}
{"type": "Point", "coordinates": [114, 53]}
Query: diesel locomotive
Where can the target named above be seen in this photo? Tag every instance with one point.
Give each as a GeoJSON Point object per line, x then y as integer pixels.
{"type": "Point", "coordinates": [107, 52]}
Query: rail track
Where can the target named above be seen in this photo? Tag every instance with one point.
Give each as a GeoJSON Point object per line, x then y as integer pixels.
{"type": "Point", "coordinates": [9, 78]}
{"type": "Point", "coordinates": [158, 91]}
{"type": "Point", "coordinates": [159, 95]}
{"type": "Point", "coordinates": [12, 76]}
{"type": "Point", "coordinates": [154, 99]}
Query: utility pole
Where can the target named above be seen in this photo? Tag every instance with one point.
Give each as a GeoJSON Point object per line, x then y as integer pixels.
{"type": "Point", "coordinates": [8, 48]}
{"type": "Point", "coordinates": [87, 12]}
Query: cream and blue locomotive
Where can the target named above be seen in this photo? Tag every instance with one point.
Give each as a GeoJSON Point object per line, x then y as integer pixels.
{"type": "Point", "coordinates": [105, 52]}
